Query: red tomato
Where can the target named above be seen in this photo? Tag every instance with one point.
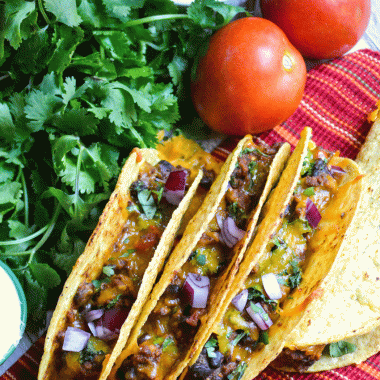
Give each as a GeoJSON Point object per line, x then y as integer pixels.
{"type": "Point", "coordinates": [250, 79]}
{"type": "Point", "coordinates": [320, 29]}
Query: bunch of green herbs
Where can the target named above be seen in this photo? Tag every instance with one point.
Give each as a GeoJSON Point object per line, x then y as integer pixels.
{"type": "Point", "coordinates": [82, 82]}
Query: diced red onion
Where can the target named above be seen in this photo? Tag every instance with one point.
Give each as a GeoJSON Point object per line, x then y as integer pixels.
{"type": "Point", "coordinates": [313, 216]}
{"type": "Point", "coordinates": [196, 289]}
{"type": "Point", "coordinates": [113, 319]}
{"type": "Point", "coordinates": [337, 170]}
{"type": "Point", "coordinates": [103, 332]}
{"type": "Point", "coordinates": [91, 326]}
{"type": "Point", "coordinates": [109, 325]}
{"type": "Point", "coordinates": [240, 300]}
{"type": "Point", "coordinates": [271, 286]}
{"type": "Point", "coordinates": [259, 316]}
{"type": "Point", "coordinates": [75, 339]}
{"type": "Point", "coordinates": [92, 315]}
{"type": "Point", "coordinates": [175, 186]}
{"type": "Point", "coordinates": [230, 233]}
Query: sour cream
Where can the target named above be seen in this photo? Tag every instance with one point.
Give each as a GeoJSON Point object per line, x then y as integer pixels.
{"type": "Point", "coordinates": [13, 315]}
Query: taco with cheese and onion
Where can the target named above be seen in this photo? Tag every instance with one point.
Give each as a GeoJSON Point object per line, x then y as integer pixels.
{"type": "Point", "coordinates": [341, 327]}
{"type": "Point", "coordinates": [299, 234]}
{"type": "Point", "coordinates": [201, 265]}
{"type": "Point", "coordinates": [157, 190]}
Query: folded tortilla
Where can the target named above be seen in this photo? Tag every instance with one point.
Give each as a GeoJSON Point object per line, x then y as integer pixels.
{"type": "Point", "coordinates": [349, 309]}
{"type": "Point", "coordinates": [95, 267]}
{"type": "Point", "coordinates": [157, 347]}
{"type": "Point", "coordinates": [230, 345]}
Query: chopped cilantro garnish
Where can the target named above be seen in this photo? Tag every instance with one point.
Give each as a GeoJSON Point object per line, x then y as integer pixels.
{"type": "Point", "coordinates": [236, 212]}
{"type": "Point", "coordinates": [278, 243]}
{"type": "Point", "coordinates": [147, 203]}
{"type": "Point", "coordinates": [238, 338]}
{"type": "Point", "coordinates": [88, 353]}
{"type": "Point", "coordinates": [264, 337]}
{"type": "Point", "coordinates": [158, 340]}
{"type": "Point", "coordinates": [132, 207]}
{"type": "Point", "coordinates": [201, 259]}
{"type": "Point", "coordinates": [296, 277]}
{"type": "Point", "coordinates": [210, 346]}
{"type": "Point", "coordinates": [309, 191]}
{"type": "Point", "coordinates": [128, 252]}
{"type": "Point", "coordinates": [257, 296]}
{"type": "Point", "coordinates": [108, 270]}
{"type": "Point", "coordinates": [167, 342]}
{"type": "Point", "coordinates": [238, 372]}
{"type": "Point", "coordinates": [308, 163]}
{"type": "Point", "coordinates": [340, 348]}
{"type": "Point", "coordinates": [159, 193]}
{"type": "Point", "coordinates": [98, 283]}
{"type": "Point", "coordinates": [113, 302]}
{"type": "Point", "coordinates": [253, 150]}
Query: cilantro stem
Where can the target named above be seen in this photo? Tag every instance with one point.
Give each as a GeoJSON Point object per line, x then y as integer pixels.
{"type": "Point", "coordinates": [26, 199]}
{"type": "Point", "coordinates": [25, 239]}
{"type": "Point", "coordinates": [145, 20]}
{"type": "Point", "coordinates": [77, 176]}
{"type": "Point", "coordinates": [42, 10]}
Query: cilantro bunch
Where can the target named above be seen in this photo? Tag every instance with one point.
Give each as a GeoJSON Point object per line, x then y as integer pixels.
{"type": "Point", "coordinates": [81, 83]}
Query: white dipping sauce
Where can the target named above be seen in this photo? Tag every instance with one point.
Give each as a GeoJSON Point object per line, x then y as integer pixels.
{"type": "Point", "coordinates": [10, 319]}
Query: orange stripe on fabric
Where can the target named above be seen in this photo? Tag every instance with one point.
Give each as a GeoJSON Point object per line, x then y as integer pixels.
{"type": "Point", "coordinates": [368, 369]}
{"type": "Point", "coordinates": [352, 78]}
{"type": "Point", "coordinates": [349, 126]}
{"type": "Point", "coordinates": [330, 126]}
{"type": "Point", "coordinates": [330, 84]}
{"type": "Point", "coordinates": [285, 134]}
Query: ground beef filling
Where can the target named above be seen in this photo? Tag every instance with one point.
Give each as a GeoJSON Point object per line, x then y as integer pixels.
{"type": "Point", "coordinates": [299, 360]}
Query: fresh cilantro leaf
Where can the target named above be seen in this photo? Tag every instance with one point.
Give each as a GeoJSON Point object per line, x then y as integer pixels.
{"type": "Point", "coordinates": [65, 11]}
{"type": "Point", "coordinates": [308, 163]}
{"type": "Point", "coordinates": [337, 349]}
{"type": "Point", "coordinates": [256, 296]}
{"type": "Point", "coordinates": [15, 13]}
{"type": "Point", "coordinates": [8, 129]}
{"type": "Point", "coordinates": [45, 275]}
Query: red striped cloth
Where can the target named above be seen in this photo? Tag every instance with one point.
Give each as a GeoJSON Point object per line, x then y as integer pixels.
{"type": "Point", "coordinates": [338, 98]}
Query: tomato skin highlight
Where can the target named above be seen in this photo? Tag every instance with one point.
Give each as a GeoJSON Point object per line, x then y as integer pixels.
{"type": "Point", "coordinates": [320, 29]}
{"type": "Point", "coordinates": [249, 80]}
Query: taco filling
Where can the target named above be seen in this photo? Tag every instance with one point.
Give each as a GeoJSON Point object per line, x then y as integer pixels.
{"type": "Point", "coordinates": [247, 320]}
{"type": "Point", "coordinates": [170, 329]}
{"type": "Point", "coordinates": [101, 305]}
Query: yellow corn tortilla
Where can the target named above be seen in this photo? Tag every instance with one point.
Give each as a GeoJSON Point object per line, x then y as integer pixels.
{"type": "Point", "coordinates": [322, 252]}
{"type": "Point", "coordinates": [349, 309]}
{"type": "Point", "coordinates": [186, 245]}
{"type": "Point", "coordinates": [90, 264]}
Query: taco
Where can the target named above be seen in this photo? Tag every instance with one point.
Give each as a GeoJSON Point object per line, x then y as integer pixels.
{"type": "Point", "coordinates": [111, 280]}
{"type": "Point", "coordinates": [298, 236]}
{"type": "Point", "coordinates": [209, 252]}
{"type": "Point", "coordinates": [340, 327]}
